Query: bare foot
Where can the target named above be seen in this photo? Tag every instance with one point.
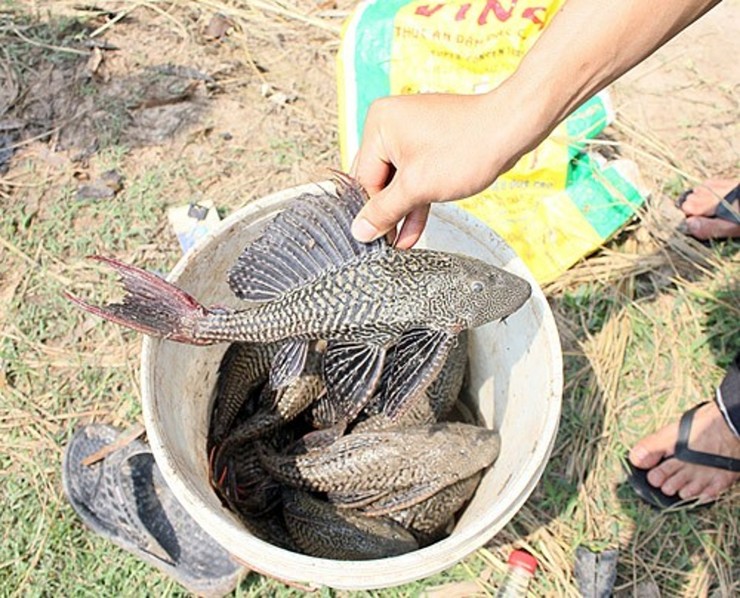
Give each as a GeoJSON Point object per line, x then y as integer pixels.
{"type": "Point", "coordinates": [710, 434]}
{"type": "Point", "coordinates": [700, 206]}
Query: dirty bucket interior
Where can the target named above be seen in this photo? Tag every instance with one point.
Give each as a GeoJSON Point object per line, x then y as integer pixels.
{"type": "Point", "coordinates": [515, 380]}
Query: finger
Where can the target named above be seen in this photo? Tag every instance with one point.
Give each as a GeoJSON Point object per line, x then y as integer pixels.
{"type": "Point", "coordinates": [372, 173]}
{"type": "Point", "coordinates": [372, 166]}
{"type": "Point", "coordinates": [381, 213]}
{"type": "Point", "coordinates": [390, 237]}
{"type": "Point", "coordinates": [412, 227]}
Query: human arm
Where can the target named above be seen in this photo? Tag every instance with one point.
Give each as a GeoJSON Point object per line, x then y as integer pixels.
{"type": "Point", "coordinates": [425, 148]}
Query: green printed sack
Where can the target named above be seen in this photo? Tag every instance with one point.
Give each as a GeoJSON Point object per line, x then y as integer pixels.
{"type": "Point", "coordinates": [557, 204]}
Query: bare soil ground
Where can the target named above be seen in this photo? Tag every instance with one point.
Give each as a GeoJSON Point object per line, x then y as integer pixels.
{"type": "Point", "coordinates": [184, 105]}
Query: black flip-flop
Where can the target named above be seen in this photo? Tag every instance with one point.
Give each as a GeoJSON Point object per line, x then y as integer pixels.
{"type": "Point", "coordinates": [655, 496]}
{"type": "Point", "coordinates": [723, 210]}
{"type": "Point", "coordinates": [124, 498]}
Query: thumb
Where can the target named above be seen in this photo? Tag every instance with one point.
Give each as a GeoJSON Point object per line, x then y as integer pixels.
{"type": "Point", "coordinates": [381, 213]}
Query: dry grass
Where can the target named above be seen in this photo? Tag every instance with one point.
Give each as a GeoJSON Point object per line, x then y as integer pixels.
{"type": "Point", "coordinates": [647, 324]}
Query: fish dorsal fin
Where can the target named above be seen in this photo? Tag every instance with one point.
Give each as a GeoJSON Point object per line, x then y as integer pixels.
{"type": "Point", "coordinates": [302, 242]}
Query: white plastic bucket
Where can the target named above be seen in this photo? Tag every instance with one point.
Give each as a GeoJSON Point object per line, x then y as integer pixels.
{"type": "Point", "coordinates": [515, 379]}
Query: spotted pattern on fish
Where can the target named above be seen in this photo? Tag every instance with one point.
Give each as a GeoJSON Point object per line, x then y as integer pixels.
{"type": "Point", "coordinates": [320, 529]}
{"type": "Point", "coordinates": [244, 367]}
{"type": "Point", "coordinates": [433, 456]}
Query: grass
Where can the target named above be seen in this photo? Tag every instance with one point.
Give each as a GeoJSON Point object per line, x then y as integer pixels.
{"type": "Point", "coordinates": [647, 324]}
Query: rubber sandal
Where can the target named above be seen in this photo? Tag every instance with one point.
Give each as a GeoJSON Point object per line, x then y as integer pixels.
{"type": "Point", "coordinates": [124, 498]}
{"type": "Point", "coordinates": [595, 572]}
{"type": "Point", "coordinates": [637, 477]}
{"type": "Point", "coordinates": [723, 210]}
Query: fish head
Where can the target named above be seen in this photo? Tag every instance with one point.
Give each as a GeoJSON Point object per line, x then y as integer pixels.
{"type": "Point", "coordinates": [485, 293]}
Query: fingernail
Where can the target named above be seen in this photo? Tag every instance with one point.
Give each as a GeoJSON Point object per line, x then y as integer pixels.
{"type": "Point", "coordinates": [693, 226]}
{"type": "Point", "coordinates": [638, 455]}
{"type": "Point", "coordinates": [363, 231]}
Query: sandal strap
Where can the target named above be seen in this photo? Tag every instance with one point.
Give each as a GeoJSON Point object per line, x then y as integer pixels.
{"type": "Point", "coordinates": [132, 503]}
{"type": "Point", "coordinates": [684, 453]}
{"type": "Point", "coordinates": [733, 195]}
{"type": "Point", "coordinates": [724, 211]}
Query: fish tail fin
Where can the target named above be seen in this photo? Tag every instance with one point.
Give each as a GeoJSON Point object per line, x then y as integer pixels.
{"type": "Point", "coordinates": [151, 305]}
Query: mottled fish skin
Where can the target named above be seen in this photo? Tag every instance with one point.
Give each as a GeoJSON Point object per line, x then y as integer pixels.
{"type": "Point", "coordinates": [427, 520]}
{"type": "Point", "coordinates": [320, 529]}
{"type": "Point", "coordinates": [278, 407]}
{"type": "Point", "coordinates": [445, 390]}
{"type": "Point", "coordinates": [270, 528]}
{"type": "Point", "coordinates": [238, 476]}
{"type": "Point", "coordinates": [292, 399]}
{"type": "Point", "coordinates": [362, 292]}
{"type": "Point", "coordinates": [377, 298]}
{"type": "Point", "coordinates": [240, 481]}
{"type": "Point", "coordinates": [243, 369]}
{"type": "Point", "coordinates": [428, 457]}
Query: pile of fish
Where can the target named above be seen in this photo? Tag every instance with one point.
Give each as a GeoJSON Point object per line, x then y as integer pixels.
{"type": "Point", "coordinates": [373, 488]}
{"type": "Point", "coordinates": [330, 432]}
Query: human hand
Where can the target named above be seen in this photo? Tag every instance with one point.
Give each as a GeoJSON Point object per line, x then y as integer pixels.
{"type": "Point", "coordinates": [427, 148]}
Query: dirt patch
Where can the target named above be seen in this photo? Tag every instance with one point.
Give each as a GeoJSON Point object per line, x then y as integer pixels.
{"type": "Point", "coordinates": [683, 101]}
{"type": "Point", "coordinates": [229, 106]}
{"type": "Point", "coordinates": [86, 98]}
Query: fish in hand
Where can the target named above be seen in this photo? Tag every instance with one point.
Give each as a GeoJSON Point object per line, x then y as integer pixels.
{"type": "Point", "coordinates": [306, 278]}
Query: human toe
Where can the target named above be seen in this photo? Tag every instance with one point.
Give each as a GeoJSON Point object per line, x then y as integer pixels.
{"type": "Point", "coordinates": [652, 449]}
{"type": "Point", "coordinates": [711, 228]}
{"type": "Point", "coordinates": [703, 199]}
{"type": "Point", "coordinates": [676, 483]}
{"type": "Point", "coordinates": [714, 488]}
{"type": "Point", "coordinates": [695, 488]}
{"type": "Point", "coordinates": [659, 475]}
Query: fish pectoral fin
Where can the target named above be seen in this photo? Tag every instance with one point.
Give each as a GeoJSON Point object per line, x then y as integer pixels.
{"type": "Point", "coordinates": [352, 372]}
{"type": "Point", "coordinates": [288, 363]}
{"type": "Point", "coordinates": [323, 413]}
{"type": "Point", "coordinates": [402, 499]}
{"type": "Point", "coordinates": [356, 500]}
{"type": "Point", "coordinates": [418, 358]}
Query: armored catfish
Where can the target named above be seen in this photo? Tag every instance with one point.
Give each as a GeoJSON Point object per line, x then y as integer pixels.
{"type": "Point", "coordinates": [422, 458]}
{"type": "Point", "coordinates": [307, 278]}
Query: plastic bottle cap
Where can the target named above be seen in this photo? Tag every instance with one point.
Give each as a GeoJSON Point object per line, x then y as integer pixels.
{"type": "Point", "coordinates": [521, 558]}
